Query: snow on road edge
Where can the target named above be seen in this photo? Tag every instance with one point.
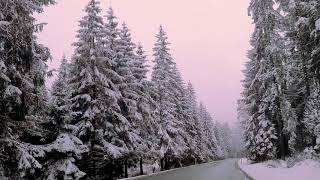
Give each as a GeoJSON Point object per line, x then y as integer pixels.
{"type": "Point", "coordinates": [244, 172]}
{"type": "Point", "coordinates": [277, 170]}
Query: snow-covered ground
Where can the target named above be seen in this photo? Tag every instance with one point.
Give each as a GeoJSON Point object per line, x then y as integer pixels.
{"type": "Point", "coordinates": [278, 170]}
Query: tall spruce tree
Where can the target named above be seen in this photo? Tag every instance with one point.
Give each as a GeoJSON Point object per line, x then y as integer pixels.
{"type": "Point", "coordinates": [171, 142]}
{"type": "Point", "coordinates": [264, 128]}
{"type": "Point", "coordinates": [59, 92]}
{"type": "Point", "coordinates": [94, 97]}
{"type": "Point", "coordinates": [67, 146]}
{"type": "Point", "coordinates": [146, 107]}
{"type": "Point", "coordinates": [139, 66]}
{"type": "Point", "coordinates": [303, 79]}
{"type": "Point", "coordinates": [22, 100]}
{"type": "Point", "coordinates": [128, 87]}
{"type": "Point", "coordinates": [188, 105]}
{"type": "Point", "coordinates": [195, 127]}
{"type": "Point", "coordinates": [185, 112]}
{"type": "Point", "coordinates": [209, 142]}
{"type": "Point", "coordinates": [223, 135]}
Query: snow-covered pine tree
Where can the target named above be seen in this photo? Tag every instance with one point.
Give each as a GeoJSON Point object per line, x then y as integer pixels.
{"type": "Point", "coordinates": [182, 115]}
{"type": "Point", "coordinates": [261, 87]}
{"type": "Point", "coordinates": [250, 106]}
{"type": "Point", "coordinates": [198, 133]}
{"type": "Point", "coordinates": [188, 106]}
{"type": "Point", "coordinates": [209, 142]}
{"type": "Point", "coordinates": [68, 148]}
{"type": "Point", "coordinates": [128, 87]}
{"type": "Point", "coordinates": [311, 116]}
{"type": "Point", "coordinates": [94, 97]}
{"type": "Point", "coordinates": [303, 73]}
{"type": "Point", "coordinates": [303, 31]}
{"type": "Point", "coordinates": [59, 93]}
{"type": "Point", "coordinates": [299, 76]}
{"type": "Point", "coordinates": [83, 77]}
{"type": "Point", "coordinates": [314, 16]}
{"type": "Point", "coordinates": [110, 39]}
{"type": "Point", "coordinates": [223, 135]}
{"type": "Point", "coordinates": [214, 145]}
{"type": "Point", "coordinates": [237, 146]}
{"type": "Point", "coordinates": [22, 76]}
{"type": "Point", "coordinates": [171, 143]}
{"type": "Point", "coordinates": [150, 124]}
{"type": "Point", "coordinates": [139, 65]}
{"type": "Point", "coordinates": [147, 107]}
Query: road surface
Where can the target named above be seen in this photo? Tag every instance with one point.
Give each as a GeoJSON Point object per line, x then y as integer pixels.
{"type": "Point", "coordinates": [219, 170]}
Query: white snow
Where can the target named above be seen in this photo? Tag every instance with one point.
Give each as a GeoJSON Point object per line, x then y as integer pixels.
{"type": "Point", "coordinates": [67, 143]}
{"type": "Point", "coordinates": [65, 167]}
{"type": "Point", "coordinates": [12, 91]}
{"type": "Point", "coordinates": [278, 170]}
{"type": "Point", "coordinates": [27, 162]}
{"type": "Point", "coordinates": [113, 150]}
{"type": "Point", "coordinates": [302, 21]}
{"type": "Point", "coordinates": [292, 4]}
{"type": "Point", "coordinates": [318, 25]}
{"type": "Point", "coordinates": [4, 23]}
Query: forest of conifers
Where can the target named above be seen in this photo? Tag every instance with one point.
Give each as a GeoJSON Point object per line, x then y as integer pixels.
{"type": "Point", "coordinates": [102, 117]}
{"type": "Point", "coordinates": [280, 107]}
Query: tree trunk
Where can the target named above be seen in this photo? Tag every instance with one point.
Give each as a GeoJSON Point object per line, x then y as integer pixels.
{"type": "Point", "coordinates": [141, 167]}
{"type": "Point", "coordinates": [314, 140]}
{"type": "Point", "coordinates": [126, 168]}
{"type": "Point", "coordinates": [283, 147]}
{"type": "Point", "coordinates": [111, 170]}
{"type": "Point", "coordinates": [166, 164]}
{"type": "Point", "coordinates": [281, 138]}
{"type": "Point", "coordinates": [162, 164]}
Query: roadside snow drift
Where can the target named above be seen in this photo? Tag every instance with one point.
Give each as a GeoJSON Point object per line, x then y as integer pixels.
{"type": "Point", "coordinates": [278, 170]}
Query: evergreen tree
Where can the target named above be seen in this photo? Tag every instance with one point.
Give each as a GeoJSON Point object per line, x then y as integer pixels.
{"type": "Point", "coordinates": [146, 107]}
{"type": "Point", "coordinates": [303, 37]}
{"type": "Point", "coordinates": [149, 125]}
{"type": "Point", "coordinates": [84, 71]}
{"type": "Point", "coordinates": [67, 146]}
{"type": "Point", "coordinates": [22, 75]}
{"type": "Point", "coordinates": [171, 143]}
{"type": "Point", "coordinates": [195, 128]}
{"type": "Point", "coordinates": [128, 87]}
{"type": "Point", "coordinates": [59, 92]}
{"type": "Point", "coordinates": [110, 38]}
{"type": "Point", "coordinates": [223, 134]}
{"type": "Point", "coordinates": [297, 78]}
{"type": "Point", "coordinates": [94, 97]}
{"type": "Point", "coordinates": [189, 116]}
{"type": "Point", "coordinates": [140, 69]}
{"type": "Point", "coordinates": [209, 141]}
{"type": "Point", "coordinates": [311, 115]}
{"type": "Point", "coordinates": [179, 98]}
{"type": "Point", "coordinates": [261, 87]}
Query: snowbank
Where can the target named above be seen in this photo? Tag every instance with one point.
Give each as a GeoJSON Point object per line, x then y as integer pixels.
{"type": "Point", "coordinates": [278, 170]}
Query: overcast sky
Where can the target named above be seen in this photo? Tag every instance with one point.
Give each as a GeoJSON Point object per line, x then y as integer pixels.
{"type": "Point", "coordinates": [209, 40]}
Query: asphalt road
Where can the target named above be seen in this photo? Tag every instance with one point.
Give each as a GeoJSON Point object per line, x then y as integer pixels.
{"type": "Point", "coordinates": [219, 170]}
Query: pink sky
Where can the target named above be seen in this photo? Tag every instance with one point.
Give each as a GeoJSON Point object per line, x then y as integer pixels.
{"type": "Point", "coordinates": [209, 39]}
